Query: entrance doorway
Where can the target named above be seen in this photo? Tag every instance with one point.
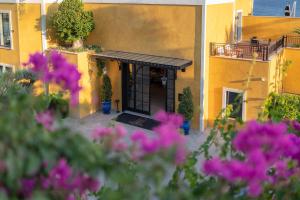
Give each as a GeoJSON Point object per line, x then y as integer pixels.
{"type": "Point", "coordinates": [147, 89]}
{"type": "Point", "coordinates": [158, 92]}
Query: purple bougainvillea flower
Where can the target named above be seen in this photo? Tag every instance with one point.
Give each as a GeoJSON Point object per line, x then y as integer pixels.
{"type": "Point", "coordinates": [46, 119]}
{"type": "Point", "coordinates": [56, 69]}
{"type": "Point", "coordinates": [27, 186]}
{"type": "Point", "coordinates": [265, 146]}
{"type": "Point", "coordinates": [296, 125]}
{"type": "Point", "coordinates": [100, 132]}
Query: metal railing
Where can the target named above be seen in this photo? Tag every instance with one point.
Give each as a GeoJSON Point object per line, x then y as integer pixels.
{"type": "Point", "coordinates": [246, 50]}
{"type": "Point", "coordinates": [292, 41]}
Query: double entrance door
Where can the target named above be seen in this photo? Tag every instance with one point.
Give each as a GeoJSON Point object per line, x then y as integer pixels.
{"type": "Point", "coordinates": [136, 93]}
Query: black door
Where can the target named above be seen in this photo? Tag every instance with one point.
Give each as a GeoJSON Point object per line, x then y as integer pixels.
{"type": "Point", "coordinates": [136, 88]}
{"type": "Point", "coordinates": [170, 102]}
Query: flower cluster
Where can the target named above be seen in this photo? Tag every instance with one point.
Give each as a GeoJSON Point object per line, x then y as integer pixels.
{"type": "Point", "coordinates": [166, 137]}
{"type": "Point", "coordinates": [267, 149]}
{"type": "Point", "coordinates": [46, 119]}
{"type": "Point", "coordinates": [116, 137]}
{"type": "Point", "coordinates": [61, 178]}
{"type": "Point", "coordinates": [55, 68]}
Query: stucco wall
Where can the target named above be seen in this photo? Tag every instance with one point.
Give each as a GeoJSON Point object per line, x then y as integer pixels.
{"type": "Point", "coordinates": [291, 82]}
{"type": "Point", "coordinates": [89, 94]}
{"type": "Point", "coordinates": [219, 28]}
{"type": "Point", "coordinates": [245, 5]}
{"type": "Point", "coordinates": [233, 74]}
{"type": "Point", "coordinates": [11, 56]}
{"type": "Point", "coordinates": [30, 38]}
{"type": "Point", "coordinates": [151, 29]}
{"type": "Point", "coordinates": [268, 27]}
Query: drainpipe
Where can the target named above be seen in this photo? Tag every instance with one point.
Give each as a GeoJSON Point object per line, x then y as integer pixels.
{"type": "Point", "coordinates": [43, 25]}
{"type": "Point", "coordinates": [203, 66]}
{"type": "Point", "coordinates": [44, 34]}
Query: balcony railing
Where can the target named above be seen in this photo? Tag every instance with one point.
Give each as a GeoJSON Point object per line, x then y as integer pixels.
{"type": "Point", "coordinates": [292, 41]}
{"type": "Point", "coordinates": [246, 50]}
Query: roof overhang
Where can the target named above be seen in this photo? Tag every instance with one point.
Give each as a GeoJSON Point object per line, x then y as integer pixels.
{"type": "Point", "coordinates": [144, 59]}
{"type": "Point", "coordinates": [162, 2]}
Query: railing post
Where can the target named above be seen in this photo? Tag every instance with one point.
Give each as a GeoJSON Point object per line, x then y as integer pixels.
{"type": "Point", "coordinates": [212, 49]}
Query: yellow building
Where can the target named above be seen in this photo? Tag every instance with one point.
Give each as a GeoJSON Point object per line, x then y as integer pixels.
{"type": "Point", "coordinates": [155, 48]}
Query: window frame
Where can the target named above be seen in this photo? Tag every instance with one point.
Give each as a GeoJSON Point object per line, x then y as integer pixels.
{"type": "Point", "coordinates": [224, 100]}
{"type": "Point", "coordinates": [237, 12]}
{"type": "Point", "coordinates": [7, 66]}
{"type": "Point", "coordinates": [10, 27]}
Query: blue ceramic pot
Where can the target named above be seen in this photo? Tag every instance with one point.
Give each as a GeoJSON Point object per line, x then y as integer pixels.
{"type": "Point", "coordinates": [186, 126]}
{"type": "Point", "coordinates": [106, 107]}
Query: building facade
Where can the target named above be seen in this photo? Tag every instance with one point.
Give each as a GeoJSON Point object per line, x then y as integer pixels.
{"type": "Point", "coordinates": [155, 48]}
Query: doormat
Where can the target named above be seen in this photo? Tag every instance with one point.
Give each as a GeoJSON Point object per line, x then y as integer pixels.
{"type": "Point", "coordinates": [134, 120]}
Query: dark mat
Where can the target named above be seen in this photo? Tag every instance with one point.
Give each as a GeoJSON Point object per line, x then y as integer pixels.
{"type": "Point", "coordinates": [134, 120]}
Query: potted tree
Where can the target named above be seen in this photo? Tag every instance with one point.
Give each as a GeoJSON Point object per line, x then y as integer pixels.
{"type": "Point", "coordinates": [106, 94]}
{"type": "Point", "coordinates": [186, 108]}
{"type": "Point", "coordinates": [72, 23]}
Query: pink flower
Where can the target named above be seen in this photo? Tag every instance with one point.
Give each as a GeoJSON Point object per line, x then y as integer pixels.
{"type": "Point", "coordinates": [296, 125]}
{"type": "Point", "coordinates": [100, 133]}
{"type": "Point", "coordinates": [59, 176]}
{"type": "Point", "coordinates": [56, 69]}
{"type": "Point", "coordinates": [46, 119]}
{"type": "Point", "coordinates": [265, 146]}
{"type": "Point", "coordinates": [27, 187]}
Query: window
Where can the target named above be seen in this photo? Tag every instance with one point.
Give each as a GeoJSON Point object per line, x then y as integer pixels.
{"type": "Point", "coordinates": [5, 68]}
{"type": "Point", "coordinates": [238, 25]}
{"type": "Point", "coordinates": [236, 99]}
{"type": "Point", "coordinates": [5, 29]}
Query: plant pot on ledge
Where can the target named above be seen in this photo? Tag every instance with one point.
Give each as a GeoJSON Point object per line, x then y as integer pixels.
{"type": "Point", "coordinates": [106, 94]}
{"type": "Point", "coordinates": [186, 108]}
{"type": "Point", "coordinates": [77, 44]}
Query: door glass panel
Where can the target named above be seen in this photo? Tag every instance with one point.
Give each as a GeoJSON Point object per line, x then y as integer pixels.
{"type": "Point", "coordinates": [138, 88]}
{"type": "Point", "coordinates": [170, 90]}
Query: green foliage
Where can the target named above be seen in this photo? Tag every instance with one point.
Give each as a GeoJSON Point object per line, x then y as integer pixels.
{"type": "Point", "coordinates": [71, 22]}
{"type": "Point", "coordinates": [100, 65]}
{"type": "Point", "coordinates": [297, 30]}
{"type": "Point", "coordinates": [21, 81]}
{"type": "Point", "coordinates": [58, 104]}
{"type": "Point", "coordinates": [282, 107]}
{"type": "Point", "coordinates": [25, 146]}
{"type": "Point", "coordinates": [186, 105]}
{"type": "Point", "coordinates": [106, 88]}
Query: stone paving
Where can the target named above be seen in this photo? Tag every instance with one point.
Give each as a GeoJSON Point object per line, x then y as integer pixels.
{"type": "Point", "coordinates": [87, 124]}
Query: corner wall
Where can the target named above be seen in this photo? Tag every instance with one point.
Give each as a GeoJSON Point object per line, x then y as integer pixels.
{"type": "Point", "coordinates": [291, 82]}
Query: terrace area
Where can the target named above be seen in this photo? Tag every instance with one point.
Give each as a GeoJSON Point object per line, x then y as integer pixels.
{"type": "Point", "coordinates": [264, 48]}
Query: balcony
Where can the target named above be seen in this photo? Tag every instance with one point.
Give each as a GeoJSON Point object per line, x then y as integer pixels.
{"type": "Point", "coordinates": [293, 41]}
{"type": "Point", "coordinates": [246, 49]}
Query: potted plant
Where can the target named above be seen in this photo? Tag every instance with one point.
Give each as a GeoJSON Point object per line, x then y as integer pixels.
{"type": "Point", "coordinates": [186, 108]}
{"type": "Point", "coordinates": [72, 23]}
{"type": "Point", "coordinates": [106, 94]}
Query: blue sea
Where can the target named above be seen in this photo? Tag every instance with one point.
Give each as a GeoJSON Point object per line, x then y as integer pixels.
{"type": "Point", "coordinates": [272, 7]}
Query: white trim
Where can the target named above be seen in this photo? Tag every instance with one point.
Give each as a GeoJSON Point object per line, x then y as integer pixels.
{"type": "Point", "coordinates": [11, 29]}
{"type": "Point", "coordinates": [7, 66]}
{"type": "Point", "coordinates": [44, 25]}
{"type": "Point", "coordinates": [203, 67]}
{"type": "Point", "coordinates": [224, 103]}
{"type": "Point", "coordinates": [163, 2]}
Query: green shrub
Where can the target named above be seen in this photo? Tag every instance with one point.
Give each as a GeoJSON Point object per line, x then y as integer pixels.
{"type": "Point", "coordinates": [186, 105]}
{"type": "Point", "coordinates": [71, 22]}
{"type": "Point", "coordinates": [59, 105]}
{"type": "Point", "coordinates": [106, 89]}
{"type": "Point", "coordinates": [282, 107]}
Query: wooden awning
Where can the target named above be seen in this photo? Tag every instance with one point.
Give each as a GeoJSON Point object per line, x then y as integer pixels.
{"type": "Point", "coordinates": [144, 59]}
